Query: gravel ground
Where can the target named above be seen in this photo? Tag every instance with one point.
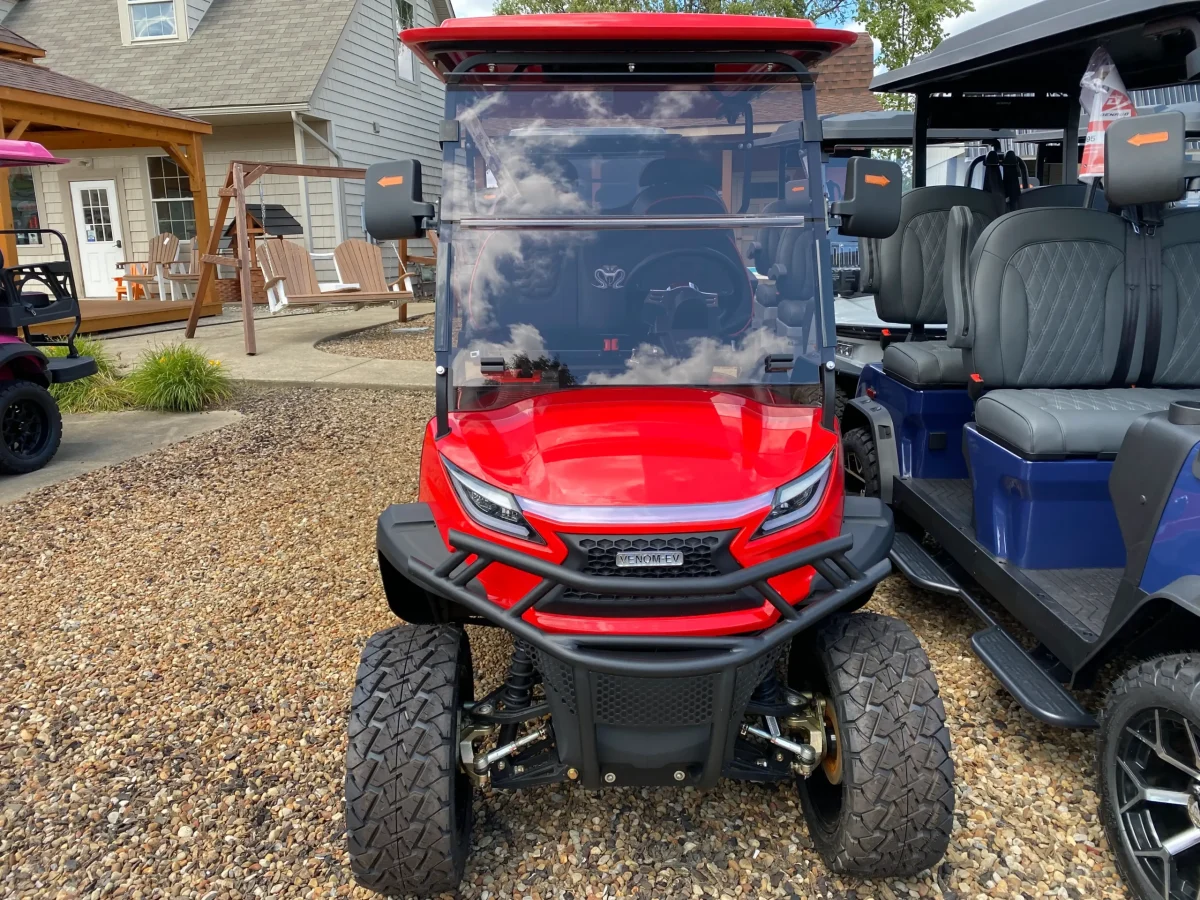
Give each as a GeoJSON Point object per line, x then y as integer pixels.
{"type": "Point", "coordinates": [382, 341]}
{"type": "Point", "coordinates": [180, 635]}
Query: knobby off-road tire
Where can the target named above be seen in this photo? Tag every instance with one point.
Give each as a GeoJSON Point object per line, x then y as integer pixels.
{"type": "Point", "coordinates": [408, 803]}
{"type": "Point", "coordinates": [30, 427]}
{"type": "Point", "coordinates": [1157, 786]}
{"type": "Point", "coordinates": [861, 457]}
{"type": "Point", "coordinates": [893, 810]}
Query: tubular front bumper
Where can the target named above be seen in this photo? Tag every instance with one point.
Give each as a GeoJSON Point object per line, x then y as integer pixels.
{"type": "Point", "coordinates": [587, 669]}
{"type": "Point", "coordinates": [848, 566]}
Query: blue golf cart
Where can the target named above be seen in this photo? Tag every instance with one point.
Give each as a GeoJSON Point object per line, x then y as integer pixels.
{"type": "Point", "coordinates": [1044, 459]}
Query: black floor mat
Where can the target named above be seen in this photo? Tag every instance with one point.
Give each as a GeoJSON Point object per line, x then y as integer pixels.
{"type": "Point", "coordinates": [1080, 598]}
{"type": "Point", "coordinates": [1085, 594]}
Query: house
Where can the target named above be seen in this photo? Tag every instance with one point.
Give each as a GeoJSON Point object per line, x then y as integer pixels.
{"type": "Point", "coordinates": [325, 82]}
{"type": "Point", "coordinates": [843, 80]}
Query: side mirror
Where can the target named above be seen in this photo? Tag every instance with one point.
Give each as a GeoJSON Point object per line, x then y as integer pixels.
{"type": "Point", "coordinates": [870, 207]}
{"type": "Point", "coordinates": [392, 207]}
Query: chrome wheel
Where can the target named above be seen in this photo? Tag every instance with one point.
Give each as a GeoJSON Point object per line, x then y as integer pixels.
{"type": "Point", "coordinates": [1157, 799]}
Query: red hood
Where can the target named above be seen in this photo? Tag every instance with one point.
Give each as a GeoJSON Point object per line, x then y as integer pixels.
{"type": "Point", "coordinates": [637, 446]}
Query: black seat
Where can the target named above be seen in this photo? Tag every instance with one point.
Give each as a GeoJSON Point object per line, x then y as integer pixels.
{"type": "Point", "coordinates": [793, 271]}
{"type": "Point", "coordinates": [907, 276]}
{"type": "Point", "coordinates": [1059, 195]}
{"type": "Point", "coordinates": [1050, 338]}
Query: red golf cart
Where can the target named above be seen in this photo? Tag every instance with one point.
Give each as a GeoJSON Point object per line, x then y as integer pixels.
{"type": "Point", "coordinates": [634, 464]}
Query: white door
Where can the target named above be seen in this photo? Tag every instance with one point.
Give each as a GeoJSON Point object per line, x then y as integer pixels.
{"type": "Point", "coordinates": [98, 229]}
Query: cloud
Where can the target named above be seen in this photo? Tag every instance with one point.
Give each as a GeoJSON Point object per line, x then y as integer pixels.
{"type": "Point", "coordinates": [466, 8]}
{"type": "Point", "coordinates": [984, 11]}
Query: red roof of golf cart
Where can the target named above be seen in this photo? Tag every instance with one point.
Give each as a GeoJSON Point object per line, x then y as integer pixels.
{"type": "Point", "coordinates": [446, 46]}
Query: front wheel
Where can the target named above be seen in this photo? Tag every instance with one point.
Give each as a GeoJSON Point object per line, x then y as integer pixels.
{"type": "Point", "coordinates": [30, 427]}
{"type": "Point", "coordinates": [408, 802]}
{"type": "Point", "coordinates": [862, 462]}
{"type": "Point", "coordinates": [1149, 763]}
{"type": "Point", "coordinates": [881, 804]}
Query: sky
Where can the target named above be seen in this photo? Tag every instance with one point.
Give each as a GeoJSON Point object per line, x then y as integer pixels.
{"type": "Point", "coordinates": [984, 10]}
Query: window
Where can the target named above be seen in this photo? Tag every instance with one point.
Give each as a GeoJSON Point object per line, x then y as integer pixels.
{"type": "Point", "coordinates": [152, 20]}
{"type": "Point", "coordinates": [24, 206]}
{"type": "Point", "coordinates": [171, 194]}
{"type": "Point", "coordinates": [405, 63]}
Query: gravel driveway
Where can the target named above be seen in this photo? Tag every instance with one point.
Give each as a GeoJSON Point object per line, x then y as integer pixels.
{"type": "Point", "coordinates": [179, 639]}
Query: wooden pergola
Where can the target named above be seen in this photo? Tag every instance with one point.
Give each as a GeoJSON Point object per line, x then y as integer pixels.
{"type": "Point", "coordinates": [66, 114]}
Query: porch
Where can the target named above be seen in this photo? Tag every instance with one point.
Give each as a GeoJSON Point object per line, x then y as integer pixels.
{"type": "Point", "coordinates": [66, 114]}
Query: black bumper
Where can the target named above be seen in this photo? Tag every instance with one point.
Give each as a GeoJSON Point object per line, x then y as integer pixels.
{"type": "Point", "coordinates": [643, 709]}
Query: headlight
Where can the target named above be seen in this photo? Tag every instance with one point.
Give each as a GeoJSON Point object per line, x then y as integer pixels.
{"type": "Point", "coordinates": [799, 499]}
{"type": "Point", "coordinates": [490, 506]}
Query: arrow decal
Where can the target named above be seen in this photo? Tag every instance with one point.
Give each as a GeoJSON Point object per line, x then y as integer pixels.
{"type": "Point", "coordinates": [1153, 137]}
{"type": "Point", "coordinates": [881, 180]}
{"type": "Point", "coordinates": [391, 181]}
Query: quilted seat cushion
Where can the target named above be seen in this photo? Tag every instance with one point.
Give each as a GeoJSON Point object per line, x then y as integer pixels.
{"type": "Point", "coordinates": [926, 363]}
{"type": "Point", "coordinates": [1041, 422]}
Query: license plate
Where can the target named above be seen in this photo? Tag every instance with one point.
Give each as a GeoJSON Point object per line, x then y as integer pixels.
{"type": "Point", "coordinates": [639, 559]}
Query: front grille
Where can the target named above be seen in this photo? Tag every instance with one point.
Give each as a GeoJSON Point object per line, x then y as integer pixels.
{"type": "Point", "coordinates": [705, 555]}
{"type": "Point", "coordinates": [651, 702]}
{"type": "Point", "coordinates": [697, 551]}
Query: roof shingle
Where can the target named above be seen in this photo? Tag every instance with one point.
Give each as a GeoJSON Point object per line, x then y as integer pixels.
{"type": "Point", "coordinates": [244, 52]}
{"type": "Point", "coordinates": [843, 80]}
{"type": "Point", "coordinates": [25, 76]}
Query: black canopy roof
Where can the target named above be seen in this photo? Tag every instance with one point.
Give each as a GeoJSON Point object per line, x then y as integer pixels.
{"type": "Point", "coordinates": [880, 128]}
{"type": "Point", "coordinates": [278, 221]}
{"type": "Point", "coordinates": [1045, 46]}
{"type": "Point", "coordinates": [1190, 110]}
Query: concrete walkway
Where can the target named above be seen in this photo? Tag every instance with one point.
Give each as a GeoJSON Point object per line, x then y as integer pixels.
{"type": "Point", "coordinates": [94, 440]}
{"type": "Point", "coordinates": [287, 353]}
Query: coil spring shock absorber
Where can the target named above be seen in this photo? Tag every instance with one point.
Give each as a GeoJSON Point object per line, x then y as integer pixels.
{"type": "Point", "coordinates": [518, 686]}
{"type": "Point", "coordinates": [768, 692]}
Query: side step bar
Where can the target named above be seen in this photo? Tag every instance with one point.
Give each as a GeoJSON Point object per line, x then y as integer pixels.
{"type": "Point", "coordinates": [1030, 685]}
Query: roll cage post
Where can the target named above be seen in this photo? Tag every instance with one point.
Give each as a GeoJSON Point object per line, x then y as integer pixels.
{"type": "Point", "coordinates": [620, 68]}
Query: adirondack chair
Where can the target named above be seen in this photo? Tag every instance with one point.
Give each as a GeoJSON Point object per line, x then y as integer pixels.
{"type": "Point", "coordinates": [361, 263]}
{"type": "Point", "coordinates": [290, 273]}
{"type": "Point", "coordinates": [164, 248]}
{"type": "Point", "coordinates": [186, 281]}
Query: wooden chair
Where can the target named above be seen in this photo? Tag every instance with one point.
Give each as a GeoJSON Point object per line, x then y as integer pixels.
{"type": "Point", "coordinates": [164, 249]}
{"type": "Point", "coordinates": [361, 263]}
{"type": "Point", "coordinates": [189, 280]}
{"type": "Point", "coordinates": [289, 270]}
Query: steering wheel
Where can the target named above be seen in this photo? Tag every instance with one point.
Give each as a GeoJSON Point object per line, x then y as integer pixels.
{"type": "Point", "coordinates": [733, 305]}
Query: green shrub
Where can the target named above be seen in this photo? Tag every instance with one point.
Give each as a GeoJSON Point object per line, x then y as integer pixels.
{"type": "Point", "coordinates": [178, 378]}
{"type": "Point", "coordinates": [105, 391]}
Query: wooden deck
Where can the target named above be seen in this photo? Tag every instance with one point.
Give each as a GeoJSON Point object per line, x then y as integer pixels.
{"type": "Point", "coordinates": [109, 315]}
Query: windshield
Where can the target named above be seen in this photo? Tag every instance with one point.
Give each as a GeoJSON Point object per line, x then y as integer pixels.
{"type": "Point", "coordinates": [631, 235]}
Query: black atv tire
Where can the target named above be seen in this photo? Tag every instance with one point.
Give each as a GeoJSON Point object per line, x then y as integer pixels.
{"type": "Point", "coordinates": [408, 802]}
{"type": "Point", "coordinates": [840, 398]}
{"type": "Point", "coordinates": [30, 427]}
{"type": "Point", "coordinates": [1158, 699]}
{"type": "Point", "coordinates": [891, 811]}
{"type": "Point", "coordinates": [858, 445]}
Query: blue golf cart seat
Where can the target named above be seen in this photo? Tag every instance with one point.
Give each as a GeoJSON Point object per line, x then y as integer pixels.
{"type": "Point", "coordinates": [907, 277]}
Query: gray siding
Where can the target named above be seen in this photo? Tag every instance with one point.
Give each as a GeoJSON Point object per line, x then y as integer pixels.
{"type": "Point", "coordinates": [6, 6]}
{"type": "Point", "coordinates": [195, 12]}
{"type": "Point", "coordinates": [361, 90]}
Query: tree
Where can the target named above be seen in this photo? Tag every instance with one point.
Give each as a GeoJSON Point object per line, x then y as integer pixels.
{"type": "Point", "coordinates": [906, 30]}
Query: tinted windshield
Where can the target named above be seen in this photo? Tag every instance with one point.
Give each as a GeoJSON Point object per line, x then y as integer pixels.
{"type": "Point", "coordinates": [631, 235]}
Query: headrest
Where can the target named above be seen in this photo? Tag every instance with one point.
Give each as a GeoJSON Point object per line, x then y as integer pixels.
{"type": "Point", "coordinates": [679, 171]}
{"type": "Point", "coordinates": [795, 194]}
{"type": "Point", "coordinates": [993, 176]}
{"type": "Point", "coordinates": [1145, 159]}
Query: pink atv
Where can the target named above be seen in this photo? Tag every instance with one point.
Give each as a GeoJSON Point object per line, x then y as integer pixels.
{"type": "Point", "coordinates": [30, 295]}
